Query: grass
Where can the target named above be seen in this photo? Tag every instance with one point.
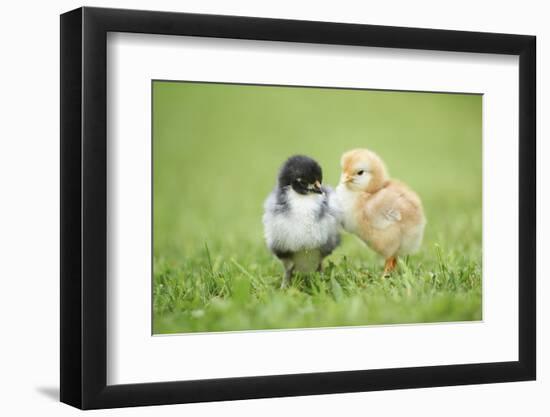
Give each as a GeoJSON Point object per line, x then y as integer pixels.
{"type": "Point", "coordinates": [217, 149]}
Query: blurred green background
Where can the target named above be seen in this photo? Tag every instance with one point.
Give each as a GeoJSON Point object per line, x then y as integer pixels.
{"type": "Point", "coordinates": [217, 149]}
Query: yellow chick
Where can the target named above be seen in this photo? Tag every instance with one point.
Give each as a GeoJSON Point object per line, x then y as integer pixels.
{"type": "Point", "coordinates": [386, 214]}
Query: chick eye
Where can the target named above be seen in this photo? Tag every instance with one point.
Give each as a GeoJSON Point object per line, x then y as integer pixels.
{"type": "Point", "coordinates": [361, 172]}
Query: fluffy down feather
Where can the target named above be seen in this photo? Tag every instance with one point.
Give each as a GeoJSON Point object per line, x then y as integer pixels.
{"type": "Point", "coordinates": [295, 223]}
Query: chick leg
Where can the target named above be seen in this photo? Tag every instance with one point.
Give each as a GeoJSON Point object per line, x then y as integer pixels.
{"type": "Point", "coordinates": [289, 270]}
{"type": "Point", "coordinates": [391, 263]}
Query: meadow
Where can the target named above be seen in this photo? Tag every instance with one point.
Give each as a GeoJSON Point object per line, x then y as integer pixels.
{"type": "Point", "coordinates": [216, 152]}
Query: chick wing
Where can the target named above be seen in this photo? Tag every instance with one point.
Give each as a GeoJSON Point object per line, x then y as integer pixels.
{"type": "Point", "coordinates": [395, 203]}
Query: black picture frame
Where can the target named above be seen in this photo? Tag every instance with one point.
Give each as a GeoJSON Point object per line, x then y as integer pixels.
{"type": "Point", "coordinates": [84, 207]}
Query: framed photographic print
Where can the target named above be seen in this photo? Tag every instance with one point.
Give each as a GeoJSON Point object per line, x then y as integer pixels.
{"type": "Point", "coordinates": [257, 207]}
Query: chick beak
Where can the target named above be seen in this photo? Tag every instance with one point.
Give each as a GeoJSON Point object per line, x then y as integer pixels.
{"type": "Point", "coordinates": [345, 178]}
{"type": "Point", "coordinates": [317, 187]}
